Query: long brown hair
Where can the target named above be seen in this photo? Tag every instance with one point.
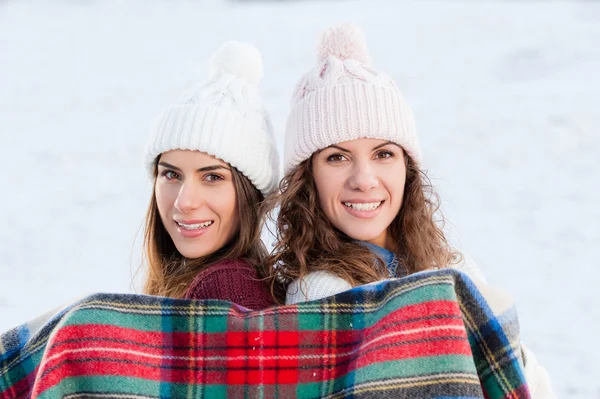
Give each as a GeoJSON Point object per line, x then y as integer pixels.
{"type": "Point", "coordinates": [168, 273]}
{"type": "Point", "coordinates": [307, 241]}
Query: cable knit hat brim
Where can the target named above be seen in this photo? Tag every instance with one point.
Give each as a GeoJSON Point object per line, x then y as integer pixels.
{"type": "Point", "coordinates": [362, 110]}
{"type": "Point", "coordinates": [219, 132]}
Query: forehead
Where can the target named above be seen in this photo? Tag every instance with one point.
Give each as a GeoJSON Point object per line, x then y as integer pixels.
{"type": "Point", "coordinates": [191, 158]}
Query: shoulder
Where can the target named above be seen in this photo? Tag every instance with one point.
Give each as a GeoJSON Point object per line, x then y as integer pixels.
{"type": "Point", "coordinates": [500, 301]}
{"type": "Point", "coordinates": [233, 280]}
{"type": "Point", "coordinates": [315, 285]}
{"type": "Point", "coordinates": [228, 267]}
{"type": "Point", "coordinates": [468, 266]}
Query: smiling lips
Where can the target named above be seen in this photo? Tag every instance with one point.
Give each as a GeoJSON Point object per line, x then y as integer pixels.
{"type": "Point", "coordinates": [193, 228]}
{"type": "Point", "coordinates": [363, 206]}
{"type": "Point", "coordinates": [363, 210]}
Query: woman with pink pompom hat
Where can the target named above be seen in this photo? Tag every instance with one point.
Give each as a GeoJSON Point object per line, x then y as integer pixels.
{"type": "Point", "coordinates": [212, 159]}
{"type": "Point", "coordinates": [355, 205]}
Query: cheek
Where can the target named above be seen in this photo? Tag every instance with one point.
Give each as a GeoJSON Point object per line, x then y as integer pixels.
{"type": "Point", "coordinates": [233, 213]}
{"type": "Point", "coordinates": [329, 187]}
{"type": "Point", "coordinates": [165, 199]}
{"type": "Point", "coordinates": [226, 207]}
{"type": "Point", "coordinates": [395, 186]}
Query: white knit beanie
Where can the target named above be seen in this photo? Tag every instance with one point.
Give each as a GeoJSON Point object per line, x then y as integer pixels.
{"type": "Point", "coordinates": [223, 117]}
{"type": "Point", "coordinates": [344, 99]}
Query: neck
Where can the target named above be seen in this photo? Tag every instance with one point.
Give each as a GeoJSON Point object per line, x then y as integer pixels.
{"type": "Point", "coordinates": [384, 242]}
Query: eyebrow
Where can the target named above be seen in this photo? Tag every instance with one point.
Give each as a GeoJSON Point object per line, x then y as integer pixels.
{"type": "Point", "coordinates": [383, 145]}
{"type": "Point", "coordinates": [203, 169]}
{"type": "Point", "coordinates": [338, 147]}
{"type": "Point", "coordinates": [374, 148]}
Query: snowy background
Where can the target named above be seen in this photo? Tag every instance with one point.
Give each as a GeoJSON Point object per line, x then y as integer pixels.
{"type": "Point", "coordinates": [504, 94]}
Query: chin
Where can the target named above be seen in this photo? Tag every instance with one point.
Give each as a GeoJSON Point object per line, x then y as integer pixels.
{"type": "Point", "coordinates": [192, 254]}
{"type": "Point", "coordinates": [362, 235]}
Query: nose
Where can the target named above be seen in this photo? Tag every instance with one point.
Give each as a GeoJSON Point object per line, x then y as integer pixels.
{"type": "Point", "coordinates": [363, 177]}
{"type": "Point", "coordinates": [189, 198]}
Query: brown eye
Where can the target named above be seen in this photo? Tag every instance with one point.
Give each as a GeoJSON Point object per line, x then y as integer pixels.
{"type": "Point", "coordinates": [336, 158]}
{"type": "Point", "coordinates": [170, 175]}
{"type": "Point", "coordinates": [213, 178]}
{"type": "Point", "coordinates": [384, 154]}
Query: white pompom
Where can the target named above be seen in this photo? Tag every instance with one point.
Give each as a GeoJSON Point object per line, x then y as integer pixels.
{"type": "Point", "coordinates": [240, 59]}
{"type": "Point", "coordinates": [346, 42]}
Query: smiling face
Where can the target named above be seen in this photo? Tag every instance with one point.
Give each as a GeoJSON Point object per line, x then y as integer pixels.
{"type": "Point", "coordinates": [360, 185]}
{"type": "Point", "coordinates": [196, 200]}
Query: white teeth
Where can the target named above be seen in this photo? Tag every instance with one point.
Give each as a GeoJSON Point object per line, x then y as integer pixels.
{"type": "Point", "coordinates": [195, 226]}
{"type": "Point", "coordinates": [369, 206]}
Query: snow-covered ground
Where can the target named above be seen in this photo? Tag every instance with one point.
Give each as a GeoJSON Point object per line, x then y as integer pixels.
{"type": "Point", "coordinates": [506, 101]}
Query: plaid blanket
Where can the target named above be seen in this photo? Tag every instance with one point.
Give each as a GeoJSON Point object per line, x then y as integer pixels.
{"type": "Point", "coordinates": [429, 335]}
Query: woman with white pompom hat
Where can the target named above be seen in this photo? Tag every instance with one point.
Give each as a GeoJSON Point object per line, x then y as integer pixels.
{"type": "Point", "coordinates": [212, 159]}
{"type": "Point", "coordinates": [355, 205]}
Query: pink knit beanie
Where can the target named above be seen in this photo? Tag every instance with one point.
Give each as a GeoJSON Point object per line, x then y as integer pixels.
{"type": "Point", "coordinates": [344, 99]}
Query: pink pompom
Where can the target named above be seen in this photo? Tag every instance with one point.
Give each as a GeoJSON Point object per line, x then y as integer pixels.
{"type": "Point", "coordinates": [346, 42]}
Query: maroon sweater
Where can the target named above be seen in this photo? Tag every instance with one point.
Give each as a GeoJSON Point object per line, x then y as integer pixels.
{"type": "Point", "coordinates": [234, 281]}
